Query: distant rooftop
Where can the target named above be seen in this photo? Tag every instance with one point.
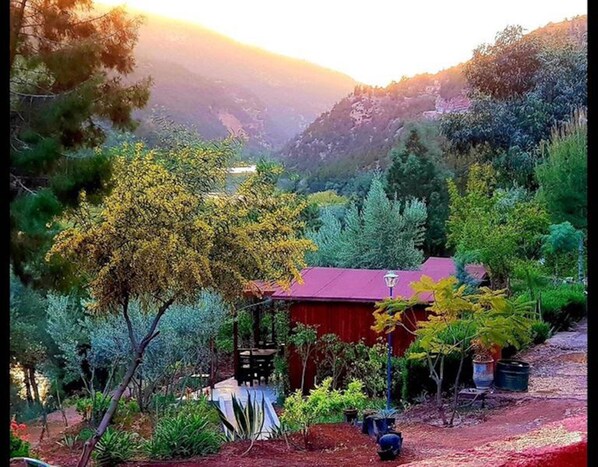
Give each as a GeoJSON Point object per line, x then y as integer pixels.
{"type": "Point", "coordinates": [366, 285]}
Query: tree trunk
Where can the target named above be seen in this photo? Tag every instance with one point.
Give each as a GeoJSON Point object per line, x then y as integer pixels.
{"type": "Point", "coordinates": [90, 444]}
{"type": "Point", "coordinates": [34, 386]}
{"type": "Point", "coordinates": [140, 349]}
{"type": "Point", "coordinates": [580, 260]}
{"type": "Point", "coordinates": [60, 407]}
{"type": "Point", "coordinates": [303, 374]}
{"type": "Point", "coordinates": [456, 395]}
{"type": "Point", "coordinates": [27, 385]}
{"type": "Point", "coordinates": [15, 32]}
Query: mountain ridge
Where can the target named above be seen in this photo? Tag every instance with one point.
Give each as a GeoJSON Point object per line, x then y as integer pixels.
{"type": "Point", "coordinates": [221, 86]}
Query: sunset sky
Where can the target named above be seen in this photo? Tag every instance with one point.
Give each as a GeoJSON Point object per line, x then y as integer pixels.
{"type": "Point", "coordinates": [373, 41]}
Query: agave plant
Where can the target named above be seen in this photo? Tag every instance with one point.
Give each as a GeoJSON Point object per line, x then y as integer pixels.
{"type": "Point", "coordinates": [249, 419]}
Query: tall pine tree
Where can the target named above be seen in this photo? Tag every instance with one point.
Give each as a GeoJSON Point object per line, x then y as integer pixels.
{"type": "Point", "coordinates": [67, 65]}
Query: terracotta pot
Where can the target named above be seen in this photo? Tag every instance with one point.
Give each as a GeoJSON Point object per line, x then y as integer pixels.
{"type": "Point", "coordinates": [496, 352]}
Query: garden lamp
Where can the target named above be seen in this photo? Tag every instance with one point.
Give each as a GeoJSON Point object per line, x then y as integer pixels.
{"type": "Point", "coordinates": [391, 279]}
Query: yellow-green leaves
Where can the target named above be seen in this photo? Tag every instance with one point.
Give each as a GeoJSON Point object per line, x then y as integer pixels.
{"type": "Point", "coordinates": [156, 237]}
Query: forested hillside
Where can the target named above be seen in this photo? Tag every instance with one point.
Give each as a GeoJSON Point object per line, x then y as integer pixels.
{"type": "Point", "coordinates": [357, 133]}
{"type": "Point", "coordinates": [221, 87]}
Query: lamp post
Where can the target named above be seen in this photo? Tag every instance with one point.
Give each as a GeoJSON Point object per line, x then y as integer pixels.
{"type": "Point", "coordinates": [391, 279]}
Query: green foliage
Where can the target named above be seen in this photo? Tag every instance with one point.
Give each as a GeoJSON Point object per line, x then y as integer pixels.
{"type": "Point", "coordinates": [540, 331]}
{"type": "Point", "coordinates": [383, 234]}
{"type": "Point", "coordinates": [304, 338]}
{"type": "Point", "coordinates": [520, 87]}
{"type": "Point", "coordinates": [327, 198]}
{"type": "Point", "coordinates": [495, 225]}
{"type": "Point", "coordinates": [333, 358]}
{"type": "Point", "coordinates": [18, 447]}
{"type": "Point", "coordinates": [249, 419]}
{"type": "Point", "coordinates": [353, 396]}
{"type": "Point", "coordinates": [29, 340]}
{"type": "Point", "coordinates": [563, 238]}
{"type": "Point", "coordinates": [115, 447]}
{"type": "Point", "coordinates": [458, 322]}
{"type": "Point", "coordinates": [328, 239]}
{"type": "Point", "coordinates": [416, 172]}
{"type": "Point", "coordinates": [66, 84]}
{"type": "Point", "coordinates": [301, 413]}
{"type": "Point", "coordinates": [92, 408]}
{"type": "Point", "coordinates": [191, 430]}
{"type": "Point", "coordinates": [563, 173]}
{"type": "Point", "coordinates": [368, 364]}
{"type": "Point", "coordinates": [561, 305]}
{"type": "Point", "coordinates": [415, 374]}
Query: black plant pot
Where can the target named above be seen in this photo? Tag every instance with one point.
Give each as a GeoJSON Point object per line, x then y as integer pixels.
{"type": "Point", "coordinates": [367, 427]}
{"type": "Point", "coordinates": [390, 445]}
{"type": "Point", "coordinates": [350, 416]}
{"type": "Point", "coordinates": [384, 424]}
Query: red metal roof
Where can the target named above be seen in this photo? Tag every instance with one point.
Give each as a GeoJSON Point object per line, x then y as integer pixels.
{"type": "Point", "coordinates": [365, 285]}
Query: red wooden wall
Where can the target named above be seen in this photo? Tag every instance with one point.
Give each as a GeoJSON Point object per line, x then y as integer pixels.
{"type": "Point", "coordinates": [350, 321]}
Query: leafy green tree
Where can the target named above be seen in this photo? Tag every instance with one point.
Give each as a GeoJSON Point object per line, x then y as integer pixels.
{"type": "Point", "coordinates": [494, 226]}
{"type": "Point", "coordinates": [416, 172]}
{"type": "Point", "coordinates": [563, 173]}
{"type": "Point", "coordinates": [520, 87]}
{"type": "Point", "coordinates": [458, 322]}
{"type": "Point", "coordinates": [384, 233]}
{"type": "Point", "coordinates": [328, 238]}
{"type": "Point", "coordinates": [67, 66]}
{"type": "Point", "coordinates": [304, 339]}
{"type": "Point", "coordinates": [561, 242]}
{"type": "Point", "coordinates": [181, 348]}
{"type": "Point", "coordinates": [28, 340]}
{"type": "Point", "coordinates": [159, 237]}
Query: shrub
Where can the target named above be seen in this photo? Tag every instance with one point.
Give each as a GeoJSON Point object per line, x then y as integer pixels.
{"type": "Point", "coordinates": [193, 429]}
{"type": "Point", "coordinates": [540, 331]}
{"type": "Point", "coordinates": [562, 305]}
{"type": "Point", "coordinates": [353, 397]}
{"type": "Point", "coordinates": [19, 447]}
{"type": "Point", "coordinates": [92, 408]}
{"type": "Point", "coordinates": [415, 376]}
{"type": "Point", "coordinates": [115, 447]}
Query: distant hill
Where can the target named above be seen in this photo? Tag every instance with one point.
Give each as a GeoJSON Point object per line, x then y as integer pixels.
{"type": "Point", "coordinates": [358, 132]}
{"type": "Point", "coordinates": [221, 86]}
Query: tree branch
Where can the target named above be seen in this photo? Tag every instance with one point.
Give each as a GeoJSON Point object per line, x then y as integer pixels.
{"type": "Point", "coordinates": [129, 323]}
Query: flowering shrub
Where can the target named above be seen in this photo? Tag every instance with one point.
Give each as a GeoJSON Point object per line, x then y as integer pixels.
{"type": "Point", "coordinates": [19, 446]}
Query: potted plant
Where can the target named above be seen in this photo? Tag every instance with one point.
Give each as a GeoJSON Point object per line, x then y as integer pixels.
{"type": "Point", "coordinates": [483, 365]}
{"type": "Point", "coordinates": [367, 426]}
{"type": "Point", "coordinates": [384, 420]}
{"type": "Point", "coordinates": [353, 399]}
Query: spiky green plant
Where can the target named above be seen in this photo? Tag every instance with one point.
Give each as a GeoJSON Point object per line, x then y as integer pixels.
{"type": "Point", "coordinates": [249, 419]}
{"type": "Point", "coordinates": [115, 447]}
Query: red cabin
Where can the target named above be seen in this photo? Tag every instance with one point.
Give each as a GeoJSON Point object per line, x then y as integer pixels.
{"type": "Point", "coordinates": [341, 301]}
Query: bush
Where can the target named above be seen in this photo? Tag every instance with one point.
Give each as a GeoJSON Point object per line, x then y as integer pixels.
{"type": "Point", "coordinates": [540, 332]}
{"type": "Point", "coordinates": [115, 447]}
{"type": "Point", "coordinates": [415, 376]}
{"type": "Point", "coordinates": [93, 408]}
{"type": "Point", "coordinates": [19, 447]}
{"type": "Point", "coordinates": [193, 429]}
{"type": "Point", "coordinates": [562, 305]}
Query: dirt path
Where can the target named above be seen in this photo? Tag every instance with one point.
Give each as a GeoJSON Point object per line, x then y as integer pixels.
{"type": "Point", "coordinates": [55, 428]}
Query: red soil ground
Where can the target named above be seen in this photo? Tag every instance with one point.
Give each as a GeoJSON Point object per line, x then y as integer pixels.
{"type": "Point", "coordinates": [545, 427]}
